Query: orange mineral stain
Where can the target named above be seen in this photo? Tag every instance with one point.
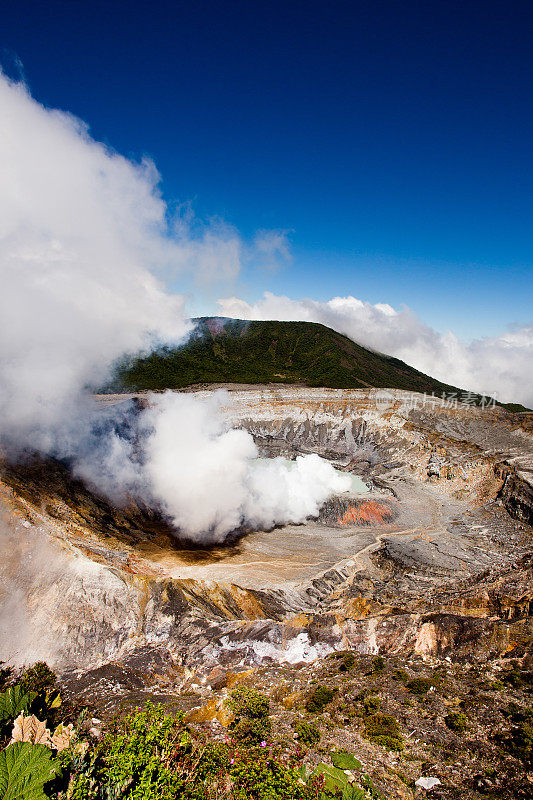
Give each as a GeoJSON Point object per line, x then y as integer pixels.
{"type": "Point", "coordinates": [368, 513]}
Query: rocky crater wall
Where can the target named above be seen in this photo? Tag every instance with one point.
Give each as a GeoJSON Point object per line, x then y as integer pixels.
{"type": "Point", "coordinates": [445, 572]}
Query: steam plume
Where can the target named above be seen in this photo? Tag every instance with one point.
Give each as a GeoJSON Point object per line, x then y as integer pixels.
{"type": "Point", "coordinates": [206, 479]}
{"type": "Point", "coordinates": [82, 233]}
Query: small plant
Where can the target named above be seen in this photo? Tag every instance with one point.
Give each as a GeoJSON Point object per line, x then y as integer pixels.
{"type": "Point", "coordinates": [519, 740]}
{"type": "Point", "coordinates": [378, 664]}
{"type": "Point", "coordinates": [5, 675]}
{"type": "Point", "coordinates": [213, 760]}
{"type": "Point", "coordinates": [340, 780]}
{"type": "Point", "coordinates": [263, 775]}
{"type": "Point", "coordinates": [250, 709]}
{"type": "Point", "coordinates": [346, 761]}
{"type": "Point", "coordinates": [456, 721]}
{"type": "Point", "coordinates": [401, 675]}
{"type": "Point", "coordinates": [420, 686]}
{"type": "Point", "coordinates": [383, 729]}
{"type": "Point", "coordinates": [347, 661]}
{"type": "Point", "coordinates": [307, 733]}
{"type": "Point", "coordinates": [319, 699]}
{"type": "Point", "coordinates": [517, 677]}
{"type": "Point", "coordinates": [371, 704]}
{"type": "Point", "coordinates": [138, 759]}
{"type": "Point", "coordinates": [25, 769]}
{"type": "Point", "coordinates": [38, 678]}
{"type": "Point", "coordinates": [247, 702]}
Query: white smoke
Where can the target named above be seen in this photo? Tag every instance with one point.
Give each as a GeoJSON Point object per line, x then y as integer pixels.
{"type": "Point", "coordinates": [80, 229]}
{"type": "Point", "coordinates": [207, 480]}
{"type": "Point", "coordinates": [82, 233]}
{"type": "Point", "coordinates": [500, 367]}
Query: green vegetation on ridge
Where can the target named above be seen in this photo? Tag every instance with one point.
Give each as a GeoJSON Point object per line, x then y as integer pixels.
{"type": "Point", "coordinates": [223, 350]}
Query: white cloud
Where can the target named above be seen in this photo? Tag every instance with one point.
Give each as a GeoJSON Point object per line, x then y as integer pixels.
{"type": "Point", "coordinates": [502, 366]}
{"type": "Point", "coordinates": [271, 249]}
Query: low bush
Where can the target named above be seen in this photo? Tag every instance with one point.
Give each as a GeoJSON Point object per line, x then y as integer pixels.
{"type": "Point", "coordinates": [517, 678]}
{"type": "Point", "coordinates": [401, 675]}
{"type": "Point", "coordinates": [265, 775]}
{"type": "Point", "coordinates": [456, 721]}
{"type": "Point", "coordinates": [420, 686]}
{"type": "Point", "coordinates": [519, 739]}
{"type": "Point", "coordinates": [378, 664]}
{"type": "Point", "coordinates": [5, 675]}
{"type": "Point", "coordinates": [251, 722]}
{"type": "Point", "coordinates": [371, 704]}
{"type": "Point", "coordinates": [307, 733]}
{"type": "Point", "coordinates": [139, 757]}
{"type": "Point", "coordinates": [383, 729]}
{"type": "Point", "coordinates": [38, 678]}
{"type": "Point", "coordinates": [319, 699]}
{"type": "Point", "coordinates": [347, 661]}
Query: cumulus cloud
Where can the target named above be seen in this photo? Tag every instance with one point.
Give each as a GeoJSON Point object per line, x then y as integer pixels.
{"type": "Point", "coordinates": [83, 232]}
{"type": "Point", "coordinates": [501, 366]}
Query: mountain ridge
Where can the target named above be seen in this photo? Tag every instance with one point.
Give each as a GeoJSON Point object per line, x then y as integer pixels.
{"type": "Point", "coordinates": [227, 350]}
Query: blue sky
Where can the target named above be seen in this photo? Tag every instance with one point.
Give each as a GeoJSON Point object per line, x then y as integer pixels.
{"type": "Point", "coordinates": [392, 140]}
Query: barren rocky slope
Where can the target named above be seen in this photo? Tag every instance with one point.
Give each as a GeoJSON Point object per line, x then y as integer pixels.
{"type": "Point", "coordinates": [432, 560]}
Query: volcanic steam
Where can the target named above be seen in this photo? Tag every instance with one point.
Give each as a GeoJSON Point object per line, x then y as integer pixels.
{"type": "Point", "coordinates": [83, 233]}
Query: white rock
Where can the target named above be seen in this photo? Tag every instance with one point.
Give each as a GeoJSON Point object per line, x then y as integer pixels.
{"type": "Point", "coordinates": [427, 783]}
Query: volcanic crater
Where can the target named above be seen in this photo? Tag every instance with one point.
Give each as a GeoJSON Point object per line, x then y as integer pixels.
{"type": "Point", "coordinates": [417, 563]}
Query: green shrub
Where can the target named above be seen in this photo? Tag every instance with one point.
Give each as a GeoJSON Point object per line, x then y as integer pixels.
{"type": "Point", "coordinates": [378, 664]}
{"type": "Point", "coordinates": [138, 757]}
{"type": "Point", "coordinates": [39, 682]}
{"type": "Point", "coordinates": [250, 708]}
{"type": "Point", "coordinates": [261, 775]}
{"type": "Point", "coordinates": [456, 721]}
{"type": "Point", "coordinates": [400, 675]}
{"type": "Point", "coordinates": [5, 675]}
{"type": "Point", "coordinates": [420, 686]}
{"type": "Point", "coordinates": [307, 733]}
{"type": "Point", "coordinates": [519, 740]}
{"type": "Point", "coordinates": [38, 678]}
{"type": "Point", "coordinates": [347, 661]}
{"type": "Point", "coordinates": [247, 702]}
{"type": "Point", "coordinates": [203, 774]}
{"type": "Point", "coordinates": [517, 677]}
{"type": "Point", "coordinates": [319, 699]}
{"type": "Point", "coordinates": [371, 704]}
{"type": "Point", "coordinates": [383, 729]}
{"type": "Point", "coordinates": [251, 731]}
